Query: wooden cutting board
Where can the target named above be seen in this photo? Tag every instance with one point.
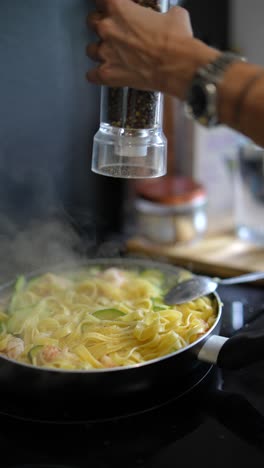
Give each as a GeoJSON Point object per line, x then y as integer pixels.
{"type": "Point", "coordinates": [219, 253]}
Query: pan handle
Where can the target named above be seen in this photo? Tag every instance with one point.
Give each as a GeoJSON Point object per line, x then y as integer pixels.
{"type": "Point", "coordinates": [236, 352]}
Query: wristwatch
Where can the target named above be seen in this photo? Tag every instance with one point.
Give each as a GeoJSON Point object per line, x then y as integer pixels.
{"type": "Point", "coordinates": [202, 97]}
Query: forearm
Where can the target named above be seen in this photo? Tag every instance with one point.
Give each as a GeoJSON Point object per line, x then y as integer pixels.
{"type": "Point", "coordinates": [250, 118]}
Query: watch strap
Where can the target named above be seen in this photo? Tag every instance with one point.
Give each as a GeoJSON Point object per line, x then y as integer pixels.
{"type": "Point", "coordinates": [204, 88]}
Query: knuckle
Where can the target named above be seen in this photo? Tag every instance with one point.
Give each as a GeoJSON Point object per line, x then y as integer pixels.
{"type": "Point", "coordinates": [102, 51]}
{"type": "Point", "coordinates": [113, 5]}
{"type": "Point", "coordinates": [183, 12]}
{"type": "Point", "coordinates": [103, 74]}
{"type": "Point", "coordinates": [104, 28]}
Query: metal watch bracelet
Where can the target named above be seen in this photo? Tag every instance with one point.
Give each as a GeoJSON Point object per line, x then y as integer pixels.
{"type": "Point", "coordinates": [204, 87]}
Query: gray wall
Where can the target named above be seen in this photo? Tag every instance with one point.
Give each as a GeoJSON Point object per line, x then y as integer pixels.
{"type": "Point", "coordinates": [48, 111]}
{"type": "Point", "coordinates": [246, 28]}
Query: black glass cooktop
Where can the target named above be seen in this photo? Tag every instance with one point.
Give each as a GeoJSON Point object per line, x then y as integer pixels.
{"type": "Point", "coordinates": [218, 422]}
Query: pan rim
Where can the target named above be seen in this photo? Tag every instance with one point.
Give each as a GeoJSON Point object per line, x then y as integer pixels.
{"type": "Point", "coordinates": [118, 261]}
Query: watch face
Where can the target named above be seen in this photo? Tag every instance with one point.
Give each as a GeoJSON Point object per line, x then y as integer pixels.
{"type": "Point", "coordinates": [197, 101]}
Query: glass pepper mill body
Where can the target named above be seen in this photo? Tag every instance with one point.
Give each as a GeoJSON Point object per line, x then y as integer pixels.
{"type": "Point", "coordinates": [130, 142]}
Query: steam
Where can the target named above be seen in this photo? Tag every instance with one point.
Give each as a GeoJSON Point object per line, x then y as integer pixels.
{"type": "Point", "coordinates": [45, 244]}
{"type": "Point", "coordinates": [37, 231]}
{"type": "Point", "coordinates": [41, 245]}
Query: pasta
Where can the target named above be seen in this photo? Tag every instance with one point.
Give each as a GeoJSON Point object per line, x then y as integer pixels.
{"type": "Point", "coordinates": [98, 318]}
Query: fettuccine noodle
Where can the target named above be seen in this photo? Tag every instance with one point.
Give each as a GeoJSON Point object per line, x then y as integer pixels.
{"type": "Point", "coordinates": [98, 318]}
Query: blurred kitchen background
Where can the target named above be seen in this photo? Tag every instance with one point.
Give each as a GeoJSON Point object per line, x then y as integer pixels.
{"type": "Point", "coordinates": [52, 207]}
{"type": "Point", "coordinates": [238, 28]}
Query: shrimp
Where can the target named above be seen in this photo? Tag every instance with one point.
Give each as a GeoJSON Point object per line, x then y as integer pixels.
{"type": "Point", "coordinates": [115, 275]}
{"type": "Point", "coordinates": [15, 347]}
{"type": "Point", "coordinates": [107, 361]}
{"type": "Point", "coordinates": [49, 353]}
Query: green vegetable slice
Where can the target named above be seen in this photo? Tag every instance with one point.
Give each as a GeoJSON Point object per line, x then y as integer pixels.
{"type": "Point", "coordinates": [2, 327]}
{"type": "Point", "coordinates": [18, 287]}
{"type": "Point", "coordinates": [108, 314]}
{"type": "Point", "coordinates": [158, 305]}
{"type": "Point", "coordinates": [20, 283]}
{"type": "Point", "coordinates": [16, 320]}
{"type": "Point", "coordinates": [32, 354]}
{"type": "Point", "coordinates": [157, 308]}
{"type": "Point", "coordinates": [154, 276]}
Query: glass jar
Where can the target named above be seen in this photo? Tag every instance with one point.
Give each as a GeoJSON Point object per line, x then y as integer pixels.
{"type": "Point", "coordinates": [248, 184]}
{"type": "Point", "coordinates": [171, 210]}
{"type": "Point", "coordinates": [130, 142]}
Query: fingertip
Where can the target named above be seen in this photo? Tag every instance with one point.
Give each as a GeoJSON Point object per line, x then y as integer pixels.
{"type": "Point", "coordinates": [93, 18]}
{"type": "Point", "coordinates": [90, 76]}
{"type": "Point", "coordinates": [87, 76]}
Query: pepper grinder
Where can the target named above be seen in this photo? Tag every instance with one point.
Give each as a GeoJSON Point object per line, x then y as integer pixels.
{"type": "Point", "coordinates": [130, 142]}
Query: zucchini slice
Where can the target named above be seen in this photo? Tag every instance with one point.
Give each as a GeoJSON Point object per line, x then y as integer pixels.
{"type": "Point", "coordinates": [108, 314]}
{"type": "Point", "coordinates": [153, 276]}
{"type": "Point", "coordinates": [17, 319]}
{"type": "Point", "coordinates": [2, 327]}
{"type": "Point", "coordinates": [158, 305]}
{"type": "Point", "coordinates": [20, 284]}
{"type": "Point", "coordinates": [32, 354]}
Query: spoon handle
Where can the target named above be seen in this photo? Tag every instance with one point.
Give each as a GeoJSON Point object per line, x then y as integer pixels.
{"type": "Point", "coordinates": [243, 278]}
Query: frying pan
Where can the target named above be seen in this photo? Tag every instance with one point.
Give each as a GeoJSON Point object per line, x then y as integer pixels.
{"type": "Point", "coordinates": [67, 396]}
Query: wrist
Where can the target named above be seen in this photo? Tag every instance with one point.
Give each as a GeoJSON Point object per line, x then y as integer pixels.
{"type": "Point", "coordinates": [203, 97]}
{"type": "Point", "coordinates": [181, 61]}
{"type": "Point", "coordinates": [200, 56]}
{"type": "Point", "coordinates": [231, 89]}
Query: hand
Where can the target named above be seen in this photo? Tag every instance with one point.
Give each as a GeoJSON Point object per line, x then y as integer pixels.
{"type": "Point", "coordinates": [142, 48]}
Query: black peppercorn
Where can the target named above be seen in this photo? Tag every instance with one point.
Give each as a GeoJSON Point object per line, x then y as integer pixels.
{"type": "Point", "coordinates": [130, 108]}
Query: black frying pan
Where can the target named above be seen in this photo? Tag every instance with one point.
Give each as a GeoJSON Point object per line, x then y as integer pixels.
{"type": "Point", "coordinates": [63, 395]}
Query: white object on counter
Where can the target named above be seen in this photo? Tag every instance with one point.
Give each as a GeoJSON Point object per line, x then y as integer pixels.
{"type": "Point", "coordinates": [170, 224]}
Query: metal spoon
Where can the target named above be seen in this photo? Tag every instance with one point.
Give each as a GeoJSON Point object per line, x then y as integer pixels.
{"type": "Point", "coordinates": [198, 286]}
